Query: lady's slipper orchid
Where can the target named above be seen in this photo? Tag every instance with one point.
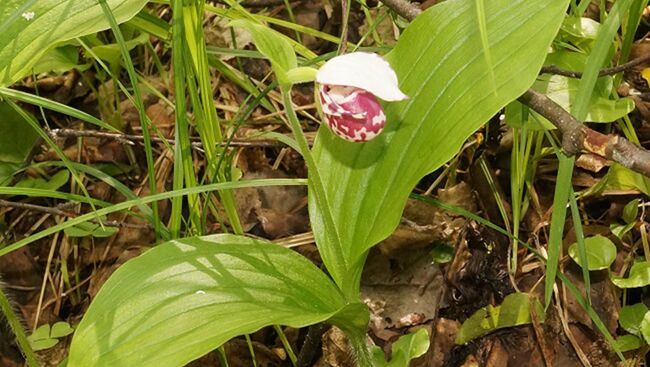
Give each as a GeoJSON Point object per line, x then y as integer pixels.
{"type": "Point", "coordinates": [349, 87]}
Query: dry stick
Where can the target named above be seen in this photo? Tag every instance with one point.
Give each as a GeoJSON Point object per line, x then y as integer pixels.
{"type": "Point", "coordinates": [37, 208]}
{"type": "Point", "coordinates": [552, 69]}
{"type": "Point", "coordinates": [345, 13]}
{"type": "Point", "coordinates": [63, 213]}
{"type": "Point", "coordinates": [403, 8]}
{"type": "Point", "coordinates": [575, 136]}
{"type": "Point", "coordinates": [131, 139]}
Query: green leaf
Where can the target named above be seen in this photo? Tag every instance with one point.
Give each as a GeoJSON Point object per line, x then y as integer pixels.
{"type": "Point", "coordinates": [184, 298]}
{"type": "Point", "coordinates": [60, 60]}
{"type": "Point", "coordinates": [46, 23]}
{"type": "Point", "coordinates": [515, 310]}
{"type": "Point", "coordinates": [406, 348]}
{"type": "Point", "coordinates": [53, 183]}
{"type": "Point", "coordinates": [645, 327]}
{"type": "Point", "coordinates": [90, 229]}
{"type": "Point", "coordinates": [581, 28]}
{"type": "Point", "coordinates": [619, 230]}
{"type": "Point", "coordinates": [631, 210]}
{"type": "Point", "coordinates": [601, 252]}
{"type": "Point", "coordinates": [631, 317]}
{"type": "Point", "coordinates": [41, 339]}
{"type": "Point", "coordinates": [111, 52]}
{"type": "Point", "coordinates": [272, 45]}
{"type": "Point", "coordinates": [563, 90]}
{"type": "Point", "coordinates": [621, 178]}
{"type": "Point", "coordinates": [442, 253]}
{"type": "Point", "coordinates": [16, 136]}
{"type": "Point", "coordinates": [302, 74]}
{"type": "Point", "coordinates": [42, 344]}
{"type": "Point", "coordinates": [629, 342]}
{"type": "Point", "coordinates": [639, 276]}
{"type": "Point", "coordinates": [7, 170]}
{"type": "Point", "coordinates": [439, 65]}
{"type": "Point", "coordinates": [42, 332]}
{"type": "Point", "coordinates": [61, 329]}
{"type": "Point", "coordinates": [599, 55]}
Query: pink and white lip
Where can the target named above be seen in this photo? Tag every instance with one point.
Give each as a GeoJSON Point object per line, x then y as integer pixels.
{"type": "Point", "coordinates": [349, 87]}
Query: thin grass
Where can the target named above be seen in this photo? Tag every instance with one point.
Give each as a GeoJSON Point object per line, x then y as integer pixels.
{"type": "Point", "coordinates": [595, 61]}
{"type": "Point", "coordinates": [207, 122]}
{"type": "Point", "coordinates": [581, 8]}
{"type": "Point", "coordinates": [558, 218]}
{"type": "Point", "coordinates": [580, 240]}
{"type": "Point", "coordinates": [522, 171]}
{"type": "Point", "coordinates": [100, 175]}
{"type": "Point", "coordinates": [54, 106]}
{"type": "Point", "coordinates": [68, 164]}
{"type": "Point", "coordinates": [139, 104]}
{"type": "Point", "coordinates": [598, 57]}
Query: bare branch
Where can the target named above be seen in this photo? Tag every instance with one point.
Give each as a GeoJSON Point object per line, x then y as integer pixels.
{"type": "Point", "coordinates": [577, 137]}
{"type": "Point", "coordinates": [132, 139]}
{"type": "Point", "coordinates": [552, 69]}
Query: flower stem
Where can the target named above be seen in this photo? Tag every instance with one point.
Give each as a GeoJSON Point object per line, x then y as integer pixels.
{"type": "Point", "coordinates": [339, 270]}
{"type": "Point", "coordinates": [357, 339]}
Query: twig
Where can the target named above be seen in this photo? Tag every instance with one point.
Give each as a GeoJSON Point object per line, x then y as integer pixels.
{"type": "Point", "coordinates": [403, 8]}
{"type": "Point", "coordinates": [63, 213]}
{"type": "Point", "coordinates": [38, 208]}
{"type": "Point", "coordinates": [552, 69]}
{"type": "Point", "coordinates": [345, 15]}
{"type": "Point", "coordinates": [131, 139]}
{"type": "Point", "coordinates": [577, 137]}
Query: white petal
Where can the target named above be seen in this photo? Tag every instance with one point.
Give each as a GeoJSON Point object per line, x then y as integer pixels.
{"type": "Point", "coordinates": [362, 70]}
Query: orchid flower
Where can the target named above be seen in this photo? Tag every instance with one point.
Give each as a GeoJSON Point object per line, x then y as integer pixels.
{"type": "Point", "coordinates": [349, 87]}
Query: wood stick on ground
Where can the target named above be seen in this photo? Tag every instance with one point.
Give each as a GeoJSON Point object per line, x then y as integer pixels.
{"type": "Point", "coordinates": [576, 136]}
{"type": "Point", "coordinates": [132, 139]}
{"type": "Point", "coordinates": [552, 69]}
{"type": "Point", "coordinates": [67, 214]}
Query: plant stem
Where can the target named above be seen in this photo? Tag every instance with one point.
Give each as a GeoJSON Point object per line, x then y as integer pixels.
{"type": "Point", "coordinates": [286, 344]}
{"type": "Point", "coordinates": [17, 328]}
{"type": "Point", "coordinates": [338, 272]}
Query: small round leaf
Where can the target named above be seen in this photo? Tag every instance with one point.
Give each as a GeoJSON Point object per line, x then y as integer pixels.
{"type": "Point", "coordinates": [639, 276]}
{"type": "Point", "coordinates": [628, 342]}
{"type": "Point", "coordinates": [631, 317]}
{"type": "Point", "coordinates": [601, 252]}
{"type": "Point", "coordinates": [645, 327]}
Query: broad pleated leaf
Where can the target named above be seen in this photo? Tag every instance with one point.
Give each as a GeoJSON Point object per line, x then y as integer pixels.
{"type": "Point", "coordinates": [440, 64]}
{"type": "Point", "coordinates": [29, 31]}
{"type": "Point", "coordinates": [184, 298]}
